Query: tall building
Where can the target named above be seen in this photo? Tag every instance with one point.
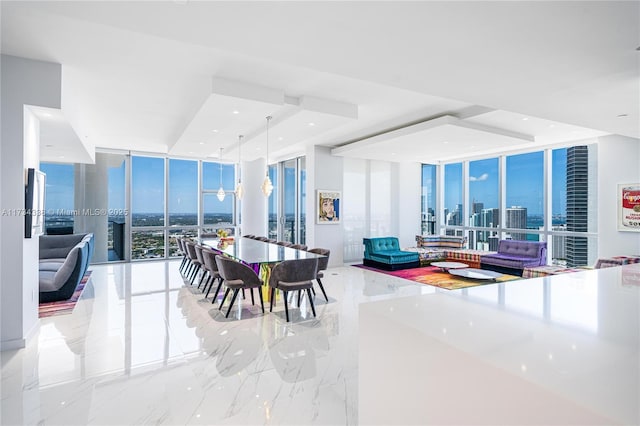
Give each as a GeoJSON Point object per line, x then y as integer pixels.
{"type": "Point", "coordinates": [493, 242]}
{"type": "Point", "coordinates": [559, 244]}
{"type": "Point", "coordinates": [517, 218]}
{"type": "Point", "coordinates": [476, 207]}
{"type": "Point", "coordinates": [577, 204]}
{"type": "Point", "coordinates": [455, 217]}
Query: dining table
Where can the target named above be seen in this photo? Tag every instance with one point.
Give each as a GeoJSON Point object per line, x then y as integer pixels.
{"type": "Point", "coordinates": [261, 256]}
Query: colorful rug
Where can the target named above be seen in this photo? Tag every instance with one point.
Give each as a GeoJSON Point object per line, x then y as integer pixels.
{"type": "Point", "coordinates": [436, 277]}
{"type": "Point", "coordinates": [62, 307]}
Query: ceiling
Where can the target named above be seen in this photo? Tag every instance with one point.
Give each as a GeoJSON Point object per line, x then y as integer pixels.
{"type": "Point", "coordinates": [401, 81]}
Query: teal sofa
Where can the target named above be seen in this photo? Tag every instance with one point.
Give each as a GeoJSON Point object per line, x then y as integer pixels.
{"type": "Point", "coordinates": [385, 253]}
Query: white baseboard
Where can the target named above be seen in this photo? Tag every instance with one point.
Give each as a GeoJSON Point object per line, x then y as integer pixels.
{"type": "Point", "coordinates": [11, 345]}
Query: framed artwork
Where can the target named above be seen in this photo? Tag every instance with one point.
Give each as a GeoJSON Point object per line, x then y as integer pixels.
{"type": "Point", "coordinates": [328, 204]}
{"type": "Point", "coordinates": [629, 207]}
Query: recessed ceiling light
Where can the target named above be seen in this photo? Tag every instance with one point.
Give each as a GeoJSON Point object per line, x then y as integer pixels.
{"type": "Point", "coordinates": [551, 126]}
{"type": "Point", "coordinates": [190, 152]}
{"type": "Point", "coordinates": [280, 138]}
{"type": "Point", "coordinates": [393, 153]}
{"type": "Point", "coordinates": [235, 111]}
{"type": "Point", "coordinates": [472, 146]}
{"type": "Point", "coordinates": [201, 143]}
{"type": "Point", "coordinates": [61, 156]}
{"type": "Point", "coordinates": [46, 114]}
{"type": "Point", "coordinates": [312, 124]}
{"type": "Point", "coordinates": [525, 118]}
{"type": "Point", "coordinates": [215, 130]}
{"type": "Point", "coordinates": [445, 142]}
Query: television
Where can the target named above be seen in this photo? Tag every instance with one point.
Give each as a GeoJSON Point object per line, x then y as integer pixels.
{"type": "Point", "coordinates": [34, 203]}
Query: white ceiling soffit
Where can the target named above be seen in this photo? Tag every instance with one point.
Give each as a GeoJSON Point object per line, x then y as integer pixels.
{"type": "Point", "coordinates": [236, 108]}
{"type": "Point", "coordinates": [59, 143]}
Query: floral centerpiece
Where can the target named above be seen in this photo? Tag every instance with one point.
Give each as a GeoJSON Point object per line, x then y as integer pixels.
{"type": "Point", "coordinates": [223, 234]}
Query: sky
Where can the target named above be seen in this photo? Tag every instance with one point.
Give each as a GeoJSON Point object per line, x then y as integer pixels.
{"type": "Point", "coordinates": [524, 185]}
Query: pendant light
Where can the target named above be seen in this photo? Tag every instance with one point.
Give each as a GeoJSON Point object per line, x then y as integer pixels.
{"type": "Point", "coordinates": [267, 186]}
{"type": "Point", "coordinates": [239, 188]}
{"type": "Point", "coordinates": [221, 192]}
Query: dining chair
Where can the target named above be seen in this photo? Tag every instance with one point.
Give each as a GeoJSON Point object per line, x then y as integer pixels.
{"type": "Point", "coordinates": [323, 263]}
{"type": "Point", "coordinates": [265, 239]}
{"type": "Point", "coordinates": [292, 275]}
{"type": "Point", "coordinates": [183, 253]}
{"type": "Point", "coordinates": [284, 243]}
{"type": "Point", "coordinates": [199, 249]}
{"type": "Point", "coordinates": [211, 267]}
{"type": "Point", "coordinates": [195, 265]}
{"type": "Point", "coordinates": [237, 276]}
{"type": "Point", "coordinates": [249, 236]}
{"type": "Point", "coordinates": [299, 246]}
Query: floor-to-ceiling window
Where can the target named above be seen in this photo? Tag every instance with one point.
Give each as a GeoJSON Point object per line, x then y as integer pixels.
{"type": "Point", "coordinates": [118, 207]}
{"type": "Point", "coordinates": [59, 198]}
{"type": "Point", "coordinates": [147, 201]}
{"type": "Point", "coordinates": [182, 201]}
{"type": "Point", "coordinates": [525, 195]}
{"type": "Point", "coordinates": [530, 207]}
{"type": "Point", "coordinates": [484, 203]}
{"type": "Point", "coordinates": [453, 198]}
{"type": "Point", "coordinates": [272, 203]}
{"type": "Point", "coordinates": [428, 199]}
{"type": "Point", "coordinates": [147, 207]}
{"type": "Point", "coordinates": [286, 220]}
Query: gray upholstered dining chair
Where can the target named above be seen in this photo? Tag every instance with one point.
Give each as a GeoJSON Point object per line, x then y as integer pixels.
{"type": "Point", "coordinates": [195, 264]}
{"type": "Point", "coordinates": [211, 268]}
{"type": "Point", "coordinates": [237, 276]}
{"type": "Point", "coordinates": [183, 253]}
{"type": "Point", "coordinates": [323, 263]}
{"type": "Point", "coordinates": [265, 239]}
{"type": "Point", "coordinates": [292, 275]}
{"type": "Point", "coordinates": [284, 243]}
{"type": "Point", "coordinates": [198, 248]}
{"type": "Point", "coordinates": [299, 246]}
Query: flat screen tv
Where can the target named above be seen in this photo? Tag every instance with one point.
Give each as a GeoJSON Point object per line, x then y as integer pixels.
{"type": "Point", "coordinates": [34, 203]}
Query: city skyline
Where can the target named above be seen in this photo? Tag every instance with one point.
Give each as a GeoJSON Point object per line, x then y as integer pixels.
{"type": "Point", "coordinates": [524, 183]}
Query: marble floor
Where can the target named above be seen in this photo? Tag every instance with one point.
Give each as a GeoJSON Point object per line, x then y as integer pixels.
{"type": "Point", "coordinates": [141, 347]}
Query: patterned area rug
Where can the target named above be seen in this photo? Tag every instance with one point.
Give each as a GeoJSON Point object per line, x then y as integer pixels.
{"type": "Point", "coordinates": [61, 307]}
{"type": "Point", "coordinates": [436, 277]}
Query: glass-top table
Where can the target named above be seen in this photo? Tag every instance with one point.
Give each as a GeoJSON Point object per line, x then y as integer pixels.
{"type": "Point", "coordinates": [260, 255]}
{"type": "Point", "coordinates": [253, 252]}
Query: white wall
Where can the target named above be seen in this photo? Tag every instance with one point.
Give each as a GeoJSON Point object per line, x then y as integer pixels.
{"type": "Point", "coordinates": [407, 202]}
{"type": "Point", "coordinates": [23, 82]}
{"type": "Point", "coordinates": [324, 171]}
{"type": "Point", "coordinates": [381, 199]}
{"type": "Point", "coordinates": [618, 162]}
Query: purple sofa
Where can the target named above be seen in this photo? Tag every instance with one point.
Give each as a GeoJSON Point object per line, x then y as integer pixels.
{"type": "Point", "coordinates": [514, 255]}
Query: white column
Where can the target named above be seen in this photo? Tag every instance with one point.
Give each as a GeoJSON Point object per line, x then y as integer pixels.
{"type": "Point", "coordinates": [23, 82]}
{"type": "Point", "coordinates": [324, 171]}
{"type": "Point", "coordinates": [253, 206]}
{"type": "Point", "coordinates": [92, 199]}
